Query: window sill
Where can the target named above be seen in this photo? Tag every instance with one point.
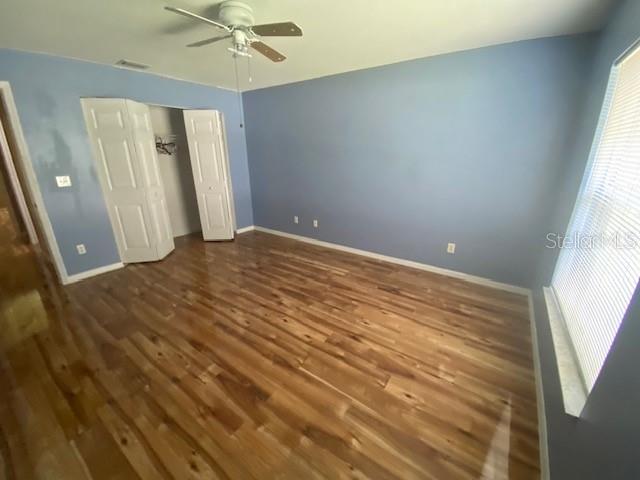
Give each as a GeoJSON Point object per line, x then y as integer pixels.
{"type": "Point", "coordinates": [574, 394]}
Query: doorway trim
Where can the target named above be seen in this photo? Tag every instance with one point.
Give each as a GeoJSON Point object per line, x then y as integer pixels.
{"type": "Point", "coordinates": [15, 187]}
{"type": "Point", "coordinates": [33, 194]}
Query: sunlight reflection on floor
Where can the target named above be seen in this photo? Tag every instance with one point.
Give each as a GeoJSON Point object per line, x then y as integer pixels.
{"type": "Point", "coordinates": [22, 316]}
{"type": "Point", "coordinates": [496, 463]}
{"type": "Point", "coordinates": [22, 313]}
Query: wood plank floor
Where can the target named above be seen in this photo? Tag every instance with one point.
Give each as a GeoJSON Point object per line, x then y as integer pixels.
{"type": "Point", "coordinates": [263, 358]}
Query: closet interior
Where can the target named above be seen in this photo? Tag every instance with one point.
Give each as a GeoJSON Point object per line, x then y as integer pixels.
{"type": "Point", "coordinates": [174, 164]}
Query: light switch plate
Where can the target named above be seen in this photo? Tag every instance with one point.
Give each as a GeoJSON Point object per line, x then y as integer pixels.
{"type": "Point", "coordinates": [63, 181]}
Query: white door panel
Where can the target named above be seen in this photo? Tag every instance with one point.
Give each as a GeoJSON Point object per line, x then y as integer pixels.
{"type": "Point", "coordinates": [116, 160]}
{"type": "Point", "coordinates": [132, 226]}
{"type": "Point", "coordinates": [216, 209]}
{"type": "Point", "coordinates": [210, 165]}
{"type": "Point", "coordinates": [146, 149]}
{"type": "Point", "coordinates": [127, 169]}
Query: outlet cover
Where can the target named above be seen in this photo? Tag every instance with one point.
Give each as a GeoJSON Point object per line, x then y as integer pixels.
{"type": "Point", "coordinates": [81, 249]}
{"type": "Point", "coordinates": [296, 219]}
{"type": "Point", "coordinates": [451, 248]}
{"type": "Point", "coordinates": [315, 224]}
{"type": "Point", "coordinates": [63, 181]}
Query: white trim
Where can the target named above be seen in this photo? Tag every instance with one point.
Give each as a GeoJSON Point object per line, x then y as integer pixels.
{"type": "Point", "coordinates": [15, 187]}
{"type": "Point", "coordinates": [401, 261]}
{"type": "Point", "coordinates": [227, 165]}
{"type": "Point", "coordinates": [543, 444]}
{"type": "Point", "coordinates": [33, 188]}
{"type": "Point", "coordinates": [250, 228]}
{"type": "Point", "coordinates": [92, 273]}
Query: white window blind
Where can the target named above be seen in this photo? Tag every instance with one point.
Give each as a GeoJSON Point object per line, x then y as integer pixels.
{"type": "Point", "coordinates": [598, 268]}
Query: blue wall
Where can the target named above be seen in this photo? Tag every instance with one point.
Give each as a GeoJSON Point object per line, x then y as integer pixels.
{"type": "Point", "coordinates": [603, 443]}
{"type": "Point", "coordinates": [404, 158]}
{"type": "Point", "coordinates": [47, 91]}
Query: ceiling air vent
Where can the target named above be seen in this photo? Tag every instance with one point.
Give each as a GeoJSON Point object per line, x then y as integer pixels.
{"type": "Point", "coordinates": [130, 64]}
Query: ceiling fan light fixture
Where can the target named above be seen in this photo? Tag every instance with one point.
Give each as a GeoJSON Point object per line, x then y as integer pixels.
{"type": "Point", "coordinates": [240, 53]}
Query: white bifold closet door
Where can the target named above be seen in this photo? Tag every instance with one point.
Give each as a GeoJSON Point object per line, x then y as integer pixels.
{"type": "Point", "coordinates": [210, 164]}
{"type": "Point", "coordinates": [126, 161]}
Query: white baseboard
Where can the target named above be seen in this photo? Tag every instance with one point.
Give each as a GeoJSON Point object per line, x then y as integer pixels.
{"type": "Point", "coordinates": [92, 273]}
{"type": "Point", "coordinates": [245, 229]}
{"type": "Point", "coordinates": [400, 261]}
{"type": "Point", "coordinates": [543, 445]}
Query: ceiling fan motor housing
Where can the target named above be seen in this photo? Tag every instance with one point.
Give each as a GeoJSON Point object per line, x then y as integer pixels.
{"type": "Point", "coordinates": [240, 40]}
{"type": "Point", "coordinates": [236, 14]}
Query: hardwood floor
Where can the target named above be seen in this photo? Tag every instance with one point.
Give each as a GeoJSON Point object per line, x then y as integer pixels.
{"type": "Point", "coordinates": [263, 358]}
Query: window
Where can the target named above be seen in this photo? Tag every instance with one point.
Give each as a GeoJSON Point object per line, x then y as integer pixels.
{"type": "Point", "coordinates": [599, 262]}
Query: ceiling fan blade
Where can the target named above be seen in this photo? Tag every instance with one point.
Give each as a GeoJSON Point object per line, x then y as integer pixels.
{"type": "Point", "coordinates": [208, 41]}
{"type": "Point", "coordinates": [268, 52]}
{"type": "Point", "coordinates": [283, 29]}
{"type": "Point", "coordinates": [186, 13]}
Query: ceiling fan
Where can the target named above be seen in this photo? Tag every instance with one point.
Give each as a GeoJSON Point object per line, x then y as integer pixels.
{"type": "Point", "coordinates": [236, 20]}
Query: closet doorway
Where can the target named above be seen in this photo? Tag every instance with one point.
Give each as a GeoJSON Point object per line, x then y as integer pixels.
{"type": "Point", "coordinates": [174, 165]}
{"type": "Point", "coordinates": [164, 173]}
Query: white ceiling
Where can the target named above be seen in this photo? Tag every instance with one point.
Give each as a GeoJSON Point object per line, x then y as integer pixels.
{"type": "Point", "coordinates": [339, 35]}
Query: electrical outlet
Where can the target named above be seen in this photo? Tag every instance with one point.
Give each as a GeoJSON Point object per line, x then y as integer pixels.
{"type": "Point", "coordinates": [63, 181]}
{"type": "Point", "coordinates": [315, 224]}
{"type": "Point", "coordinates": [81, 249]}
{"type": "Point", "coordinates": [296, 219]}
{"type": "Point", "coordinates": [451, 248]}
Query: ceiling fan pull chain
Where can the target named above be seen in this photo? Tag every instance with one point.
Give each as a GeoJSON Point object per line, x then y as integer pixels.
{"type": "Point", "coordinates": [235, 68]}
{"type": "Point", "coordinates": [249, 69]}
